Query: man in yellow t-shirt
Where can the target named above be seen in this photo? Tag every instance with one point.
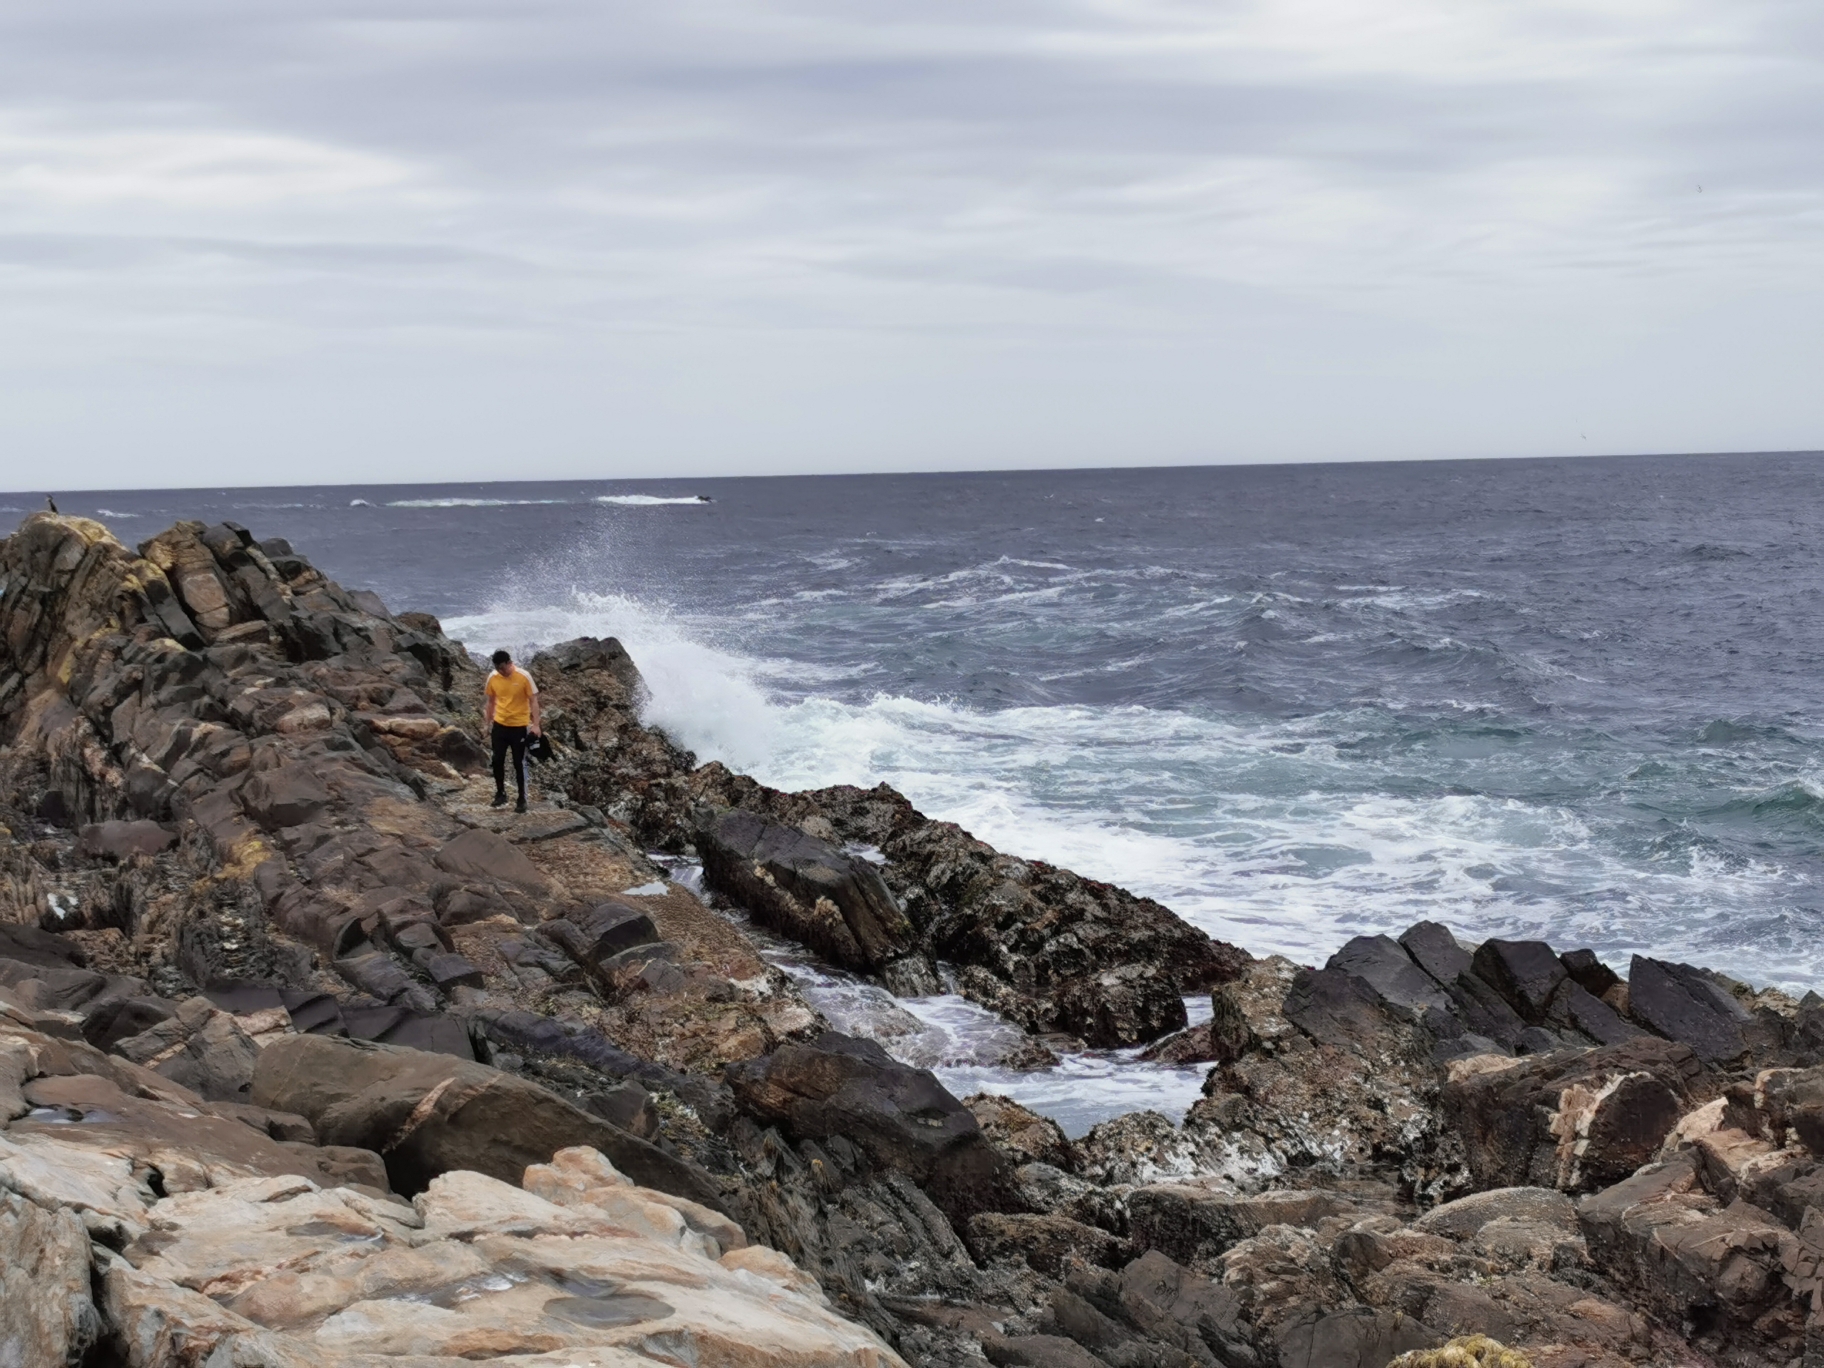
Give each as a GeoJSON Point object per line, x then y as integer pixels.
{"type": "Point", "coordinates": [510, 713]}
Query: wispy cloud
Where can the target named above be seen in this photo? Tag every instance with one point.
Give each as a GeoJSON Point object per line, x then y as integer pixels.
{"type": "Point", "coordinates": [803, 234]}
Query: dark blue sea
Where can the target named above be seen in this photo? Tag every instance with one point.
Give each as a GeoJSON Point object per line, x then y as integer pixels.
{"type": "Point", "coordinates": [1582, 700]}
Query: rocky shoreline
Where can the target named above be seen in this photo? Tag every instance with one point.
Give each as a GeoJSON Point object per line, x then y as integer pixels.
{"type": "Point", "coordinates": [307, 1055]}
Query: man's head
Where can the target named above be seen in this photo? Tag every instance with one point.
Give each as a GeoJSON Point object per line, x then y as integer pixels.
{"type": "Point", "coordinates": [503, 661]}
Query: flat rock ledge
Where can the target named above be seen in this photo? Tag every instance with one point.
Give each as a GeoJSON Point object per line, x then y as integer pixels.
{"type": "Point", "coordinates": [309, 1056]}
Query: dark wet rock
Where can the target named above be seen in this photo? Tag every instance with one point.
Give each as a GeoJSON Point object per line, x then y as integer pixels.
{"type": "Point", "coordinates": [1168, 1302]}
{"type": "Point", "coordinates": [1576, 1121]}
{"type": "Point", "coordinates": [805, 888]}
{"type": "Point", "coordinates": [626, 1105]}
{"type": "Point", "coordinates": [1589, 972]}
{"type": "Point", "coordinates": [1435, 950]}
{"type": "Point", "coordinates": [1526, 973]}
{"type": "Point", "coordinates": [902, 1117]}
{"type": "Point", "coordinates": [1384, 964]}
{"type": "Point", "coordinates": [595, 935]}
{"type": "Point", "coordinates": [1687, 1005]}
{"type": "Point", "coordinates": [1579, 1014]}
{"type": "Point", "coordinates": [1484, 1012]}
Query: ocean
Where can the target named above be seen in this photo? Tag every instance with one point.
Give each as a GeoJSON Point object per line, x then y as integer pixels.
{"type": "Point", "coordinates": [1570, 699]}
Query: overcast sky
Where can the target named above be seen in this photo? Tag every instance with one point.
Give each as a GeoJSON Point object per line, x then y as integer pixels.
{"type": "Point", "coordinates": [295, 241]}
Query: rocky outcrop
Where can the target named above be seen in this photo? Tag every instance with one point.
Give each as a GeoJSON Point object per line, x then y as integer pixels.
{"type": "Point", "coordinates": [899, 1116]}
{"type": "Point", "coordinates": [306, 1053]}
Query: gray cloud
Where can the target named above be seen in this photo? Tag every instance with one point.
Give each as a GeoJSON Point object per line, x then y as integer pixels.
{"type": "Point", "coordinates": [561, 238]}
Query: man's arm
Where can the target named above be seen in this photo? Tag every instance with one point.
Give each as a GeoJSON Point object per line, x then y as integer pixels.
{"type": "Point", "coordinates": [487, 710]}
{"type": "Point", "coordinates": [538, 719]}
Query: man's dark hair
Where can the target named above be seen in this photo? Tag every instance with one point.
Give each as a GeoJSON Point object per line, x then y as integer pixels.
{"type": "Point", "coordinates": [502, 657]}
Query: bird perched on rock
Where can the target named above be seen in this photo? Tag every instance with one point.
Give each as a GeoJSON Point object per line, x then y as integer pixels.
{"type": "Point", "coordinates": [52, 502]}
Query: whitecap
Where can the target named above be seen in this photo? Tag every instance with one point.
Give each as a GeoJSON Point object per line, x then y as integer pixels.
{"type": "Point", "coordinates": [114, 513]}
{"type": "Point", "coordinates": [648, 500]}
{"type": "Point", "coordinates": [359, 503]}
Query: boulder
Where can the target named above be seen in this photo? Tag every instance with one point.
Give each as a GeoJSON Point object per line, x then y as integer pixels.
{"type": "Point", "coordinates": [427, 1114]}
{"type": "Point", "coordinates": [1687, 1005]}
{"type": "Point", "coordinates": [901, 1117]}
{"type": "Point", "coordinates": [122, 840]}
{"type": "Point", "coordinates": [1021, 1134]}
{"type": "Point", "coordinates": [286, 796]}
{"type": "Point", "coordinates": [200, 1047]}
{"type": "Point", "coordinates": [597, 934]}
{"type": "Point", "coordinates": [805, 888]}
{"type": "Point", "coordinates": [1168, 1302]}
{"type": "Point", "coordinates": [1589, 972]}
{"type": "Point", "coordinates": [1680, 1253]}
{"type": "Point", "coordinates": [1384, 964]}
{"type": "Point", "coordinates": [1572, 1121]}
{"type": "Point", "coordinates": [1526, 973]}
{"type": "Point", "coordinates": [1435, 950]}
{"type": "Point", "coordinates": [478, 854]}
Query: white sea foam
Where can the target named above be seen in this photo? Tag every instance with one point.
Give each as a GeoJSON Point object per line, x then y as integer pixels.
{"type": "Point", "coordinates": [647, 500]}
{"type": "Point", "coordinates": [114, 513]}
{"type": "Point", "coordinates": [359, 503]}
{"type": "Point", "coordinates": [1257, 830]}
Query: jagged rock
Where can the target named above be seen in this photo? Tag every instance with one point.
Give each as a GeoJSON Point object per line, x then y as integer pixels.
{"type": "Point", "coordinates": [1687, 1005]}
{"type": "Point", "coordinates": [1527, 974]}
{"type": "Point", "coordinates": [805, 888]}
{"type": "Point", "coordinates": [1589, 972]}
{"type": "Point", "coordinates": [1384, 964]}
{"type": "Point", "coordinates": [1022, 1135]}
{"type": "Point", "coordinates": [1050, 950]}
{"type": "Point", "coordinates": [1573, 1121]}
{"type": "Point", "coordinates": [47, 1315]}
{"type": "Point", "coordinates": [902, 1117]}
{"type": "Point", "coordinates": [1195, 1223]}
{"type": "Point", "coordinates": [1360, 1097]}
{"type": "Point", "coordinates": [289, 795]}
{"type": "Point", "coordinates": [1682, 1254]}
{"type": "Point", "coordinates": [1435, 950]}
{"type": "Point", "coordinates": [200, 1047]}
{"type": "Point", "coordinates": [427, 1114]}
{"type": "Point", "coordinates": [1051, 1243]}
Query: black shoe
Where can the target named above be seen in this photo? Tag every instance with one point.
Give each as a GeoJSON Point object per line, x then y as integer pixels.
{"type": "Point", "coordinates": [520, 806]}
{"type": "Point", "coordinates": [500, 800]}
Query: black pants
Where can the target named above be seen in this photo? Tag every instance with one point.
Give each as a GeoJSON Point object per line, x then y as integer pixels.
{"type": "Point", "coordinates": [509, 739]}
